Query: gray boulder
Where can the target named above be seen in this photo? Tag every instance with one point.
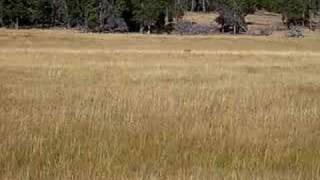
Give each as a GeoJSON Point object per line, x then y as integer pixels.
{"type": "Point", "coordinates": [295, 32]}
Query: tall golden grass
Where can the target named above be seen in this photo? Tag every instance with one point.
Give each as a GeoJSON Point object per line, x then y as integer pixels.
{"type": "Point", "coordinates": [129, 115]}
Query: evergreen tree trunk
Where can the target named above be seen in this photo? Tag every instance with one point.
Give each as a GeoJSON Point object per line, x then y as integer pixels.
{"type": "Point", "coordinates": [235, 24]}
{"type": "Point", "coordinates": [192, 5]}
{"type": "Point", "coordinates": [101, 18]}
{"type": "Point", "coordinates": [16, 25]}
{"type": "Point", "coordinates": [67, 13]}
{"type": "Point", "coordinates": [1, 21]}
{"type": "Point", "coordinates": [53, 14]}
{"type": "Point", "coordinates": [204, 6]}
{"type": "Point", "coordinates": [149, 29]}
{"type": "Point", "coordinates": [68, 23]}
{"type": "Point", "coordinates": [310, 19]}
{"type": "Point", "coordinates": [141, 29]}
{"type": "Point", "coordinates": [86, 24]}
{"type": "Point", "coordinates": [167, 16]}
{"type": "Point", "coordinates": [1, 14]}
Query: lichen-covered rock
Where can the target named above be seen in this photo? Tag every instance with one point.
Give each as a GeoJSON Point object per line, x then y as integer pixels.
{"type": "Point", "coordinates": [187, 27]}
{"type": "Point", "coordinates": [114, 24]}
{"type": "Point", "coordinates": [295, 32]}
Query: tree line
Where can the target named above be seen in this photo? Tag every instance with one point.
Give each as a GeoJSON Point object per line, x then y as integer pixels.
{"type": "Point", "coordinates": [143, 15]}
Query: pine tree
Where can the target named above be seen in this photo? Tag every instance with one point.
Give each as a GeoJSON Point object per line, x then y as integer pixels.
{"type": "Point", "coordinates": [1, 14]}
{"type": "Point", "coordinates": [90, 12]}
{"type": "Point", "coordinates": [296, 9]}
{"type": "Point", "coordinates": [75, 13]}
{"type": "Point", "coordinates": [232, 14]}
{"type": "Point", "coordinates": [43, 12]}
{"type": "Point", "coordinates": [16, 12]}
{"type": "Point", "coordinates": [270, 5]}
{"type": "Point", "coordinates": [294, 12]}
{"type": "Point", "coordinates": [148, 12]}
{"type": "Point", "coordinates": [60, 12]}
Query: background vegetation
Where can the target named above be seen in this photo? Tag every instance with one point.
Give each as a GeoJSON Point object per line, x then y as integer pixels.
{"type": "Point", "coordinates": [139, 15]}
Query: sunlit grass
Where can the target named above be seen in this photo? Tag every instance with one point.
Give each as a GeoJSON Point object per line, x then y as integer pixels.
{"type": "Point", "coordinates": [162, 115]}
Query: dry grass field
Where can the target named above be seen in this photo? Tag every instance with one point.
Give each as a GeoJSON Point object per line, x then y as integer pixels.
{"type": "Point", "coordinates": [92, 106]}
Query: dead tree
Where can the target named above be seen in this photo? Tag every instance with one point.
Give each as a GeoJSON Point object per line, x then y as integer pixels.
{"type": "Point", "coordinates": [232, 17]}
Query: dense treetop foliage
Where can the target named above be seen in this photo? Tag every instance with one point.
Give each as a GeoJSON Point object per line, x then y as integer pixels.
{"type": "Point", "coordinates": [141, 15]}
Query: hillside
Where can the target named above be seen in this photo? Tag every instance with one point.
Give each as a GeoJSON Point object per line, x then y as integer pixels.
{"type": "Point", "coordinates": [260, 20]}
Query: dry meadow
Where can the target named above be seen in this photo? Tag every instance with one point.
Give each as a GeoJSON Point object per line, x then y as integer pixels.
{"type": "Point", "coordinates": [92, 106]}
